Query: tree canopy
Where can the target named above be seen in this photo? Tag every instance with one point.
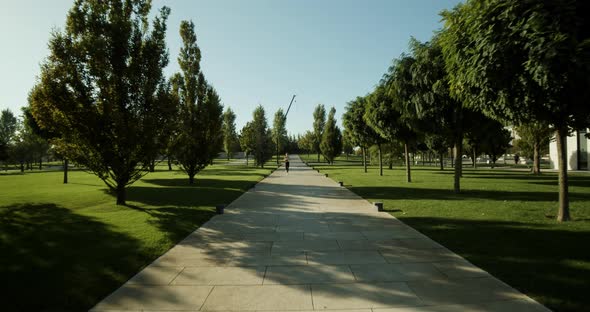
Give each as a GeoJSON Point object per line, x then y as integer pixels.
{"type": "Point", "coordinates": [523, 61]}
{"type": "Point", "coordinates": [199, 136]}
{"type": "Point", "coordinates": [98, 88]}
{"type": "Point", "coordinates": [331, 145]}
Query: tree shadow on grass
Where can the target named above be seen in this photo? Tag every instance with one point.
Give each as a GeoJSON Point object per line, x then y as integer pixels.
{"type": "Point", "coordinates": [535, 258]}
{"type": "Point", "coordinates": [410, 193]}
{"type": "Point", "coordinates": [56, 260]}
{"type": "Point", "coordinates": [201, 183]}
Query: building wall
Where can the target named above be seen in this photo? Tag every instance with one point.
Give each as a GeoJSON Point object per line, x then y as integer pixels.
{"type": "Point", "coordinates": [572, 152]}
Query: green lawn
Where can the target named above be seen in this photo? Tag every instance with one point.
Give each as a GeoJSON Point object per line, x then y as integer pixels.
{"type": "Point", "coordinates": [503, 221]}
{"type": "Point", "coordinates": [65, 247]}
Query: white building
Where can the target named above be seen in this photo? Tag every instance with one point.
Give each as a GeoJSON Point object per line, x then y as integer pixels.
{"type": "Point", "coordinates": [577, 151]}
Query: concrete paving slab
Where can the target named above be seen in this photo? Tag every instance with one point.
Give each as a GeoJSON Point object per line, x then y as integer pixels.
{"type": "Point", "coordinates": [344, 257]}
{"type": "Point", "coordinates": [334, 236]}
{"type": "Point", "coordinates": [361, 295]}
{"type": "Point", "coordinates": [155, 275]}
{"type": "Point", "coordinates": [142, 297]}
{"type": "Point", "coordinates": [308, 274]}
{"type": "Point", "coordinates": [402, 255]}
{"type": "Point", "coordinates": [255, 259]}
{"type": "Point", "coordinates": [305, 245]}
{"type": "Point", "coordinates": [259, 298]}
{"type": "Point", "coordinates": [273, 236]}
{"type": "Point", "coordinates": [220, 276]}
{"type": "Point", "coordinates": [395, 272]}
{"type": "Point", "coordinates": [201, 259]}
{"type": "Point", "coordinates": [463, 291]}
{"type": "Point", "coordinates": [460, 269]}
{"type": "Point", "coordinates": [393, 233]}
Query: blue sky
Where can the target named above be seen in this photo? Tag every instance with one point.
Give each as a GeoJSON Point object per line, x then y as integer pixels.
{"type": "Point", "coordinates": [254, 52]}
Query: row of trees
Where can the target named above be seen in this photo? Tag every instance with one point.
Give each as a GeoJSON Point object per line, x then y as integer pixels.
{"type": "Point", "coordinates": [493, 63]}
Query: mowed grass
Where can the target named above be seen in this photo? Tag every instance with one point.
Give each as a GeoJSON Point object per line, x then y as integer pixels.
{"type": "Point", "coordinates": [503, 221]}
{"type": "Point", "coordinates": [65, 247]}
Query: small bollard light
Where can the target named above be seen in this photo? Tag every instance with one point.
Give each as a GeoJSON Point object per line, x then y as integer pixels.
{"type": "Point", "coordinates": [378, 205]}
{"type": "Point", "coordinates": [326, 175]}
{"type": "Point", "coordinates": [341, 183]}
{"type": "Point", "coordinates": [220, 208]}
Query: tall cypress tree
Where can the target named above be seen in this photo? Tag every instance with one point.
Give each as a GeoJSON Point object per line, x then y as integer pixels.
{"type": "Point", "coordinates": [331, 145]}
{"type": "Point", "coordinates": [199, 131]}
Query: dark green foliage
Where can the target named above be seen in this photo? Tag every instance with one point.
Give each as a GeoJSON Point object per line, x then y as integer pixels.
{"type": "Point", "coordinates": [98, 89]}
{"type": "Point", "coordinates": [279, 132]}
{"type": "Point", "coordinates": [533, 142]}
{"type": "Point", "coordinates": [8, 126]}
{"type": "Point", "coordinates": [256, 138]}
{"type": "Point", "coordinates": [199, 137]}
{"type": "Point", "coordinates": [306, 142]}
{"type": "Point", "coordinates": [319, 122]}
{"type": "Point", "coordinates": [230, 137]}
{"type": "Point", "coordinates": [523, 61]}
{"type": "Point", "coordinates": [331, 145]}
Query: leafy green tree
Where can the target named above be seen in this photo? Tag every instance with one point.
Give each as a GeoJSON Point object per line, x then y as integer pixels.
{"type": "Point", "coordinates": [347, 146]}
{"type": "Point", "coordinates": [319, 122]}
{"type": "Point", "coordinates": [230, 137]}
{"type": "Point", "coordinates": [391, 113]}
{"type": "Point", "coordinates": [386, 121]}
{"type": "Point", "coordinates": [496, 141]}
{"type": "Point", "coordinates": [306, 142]}
{"type": "Point", "coordinates": [199, 134]}
{"type": "Point", "coordinates": [331, 145]}
{"type": "Point", "coordinates": [279, 132]}
{"type": "Point", "coordinates": [523, 61]}
{"type": "Point", "coordinates": [359, 132]}
{"type": "Point", "coordinates": [8, 126]}
{"type": "Point", "coordinates": [98, 89]}
{"type": "Point", "coordinates": [436, 112]}
{"type": "Point", "coordinates": [36, 138]}
{"type": "Point", "coordinates": [247, 140]}
{"type": "Point", "coordinates": [534, 139]}
{"type": "Point", "coordinates": [263, 145]}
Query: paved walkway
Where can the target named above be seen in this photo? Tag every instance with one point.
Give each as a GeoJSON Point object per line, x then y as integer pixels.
{"type": "Point", "coordinates": [301, 242]}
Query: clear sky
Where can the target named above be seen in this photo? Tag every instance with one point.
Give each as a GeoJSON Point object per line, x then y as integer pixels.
{"type": "Point", "coordinates": [253, 52]}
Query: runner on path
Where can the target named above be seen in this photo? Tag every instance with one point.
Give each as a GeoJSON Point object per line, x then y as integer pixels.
{"type": "Point", "coordinates": [286, 160]}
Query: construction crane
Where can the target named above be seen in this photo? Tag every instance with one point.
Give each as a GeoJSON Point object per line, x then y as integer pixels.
{"type": "Point", "coordinates": [285, 116]}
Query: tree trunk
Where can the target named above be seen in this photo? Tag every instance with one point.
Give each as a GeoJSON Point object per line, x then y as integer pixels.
{"type": "Point", "coordinates": [152, 165]}
{"type": "Point", "coordinates": [563, 213]}
{"type": "Point", "coordinates": [246, 159]}
{"type": "Point", "coordinates": [66, 164]}
{"type": "Point", "coordinates": [536, 158]}
{"type": "Point", "coordinates": [458, 164]}
{"type": "Point", "coordinates": [41, 163]}
{"type": "Point", "coordinates": [474, 159]}
{"type": "Point", "coordinates": [169, 164]}
{"type": "Point", "coordinates": [407, 156]}
{"type": "Point", "coordinates": [22, 166]}
{"type": "Point", "coordinates": [365, 158]}
{"type": "Point", "coordinates": [121, 194]}
{"type": "Point", "coordinates": [318, 156]}
{"type": "Point", "coordinates": [191, 179]}
{"type": "Point", "coordinates": [380, 161]}
{"type": "Point", "coordinates": [442, 164]}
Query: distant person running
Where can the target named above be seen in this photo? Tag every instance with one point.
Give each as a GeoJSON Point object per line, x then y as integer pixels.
{"type": "Point", "coordinates": [286, 160]}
